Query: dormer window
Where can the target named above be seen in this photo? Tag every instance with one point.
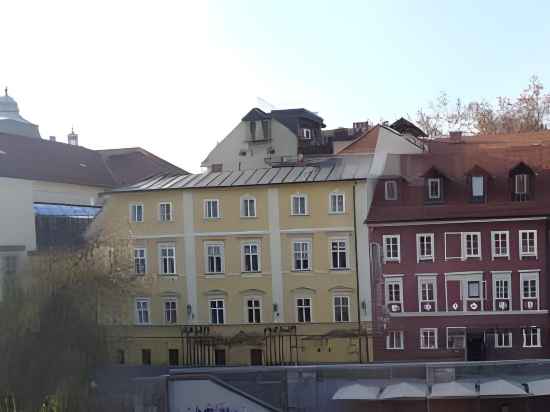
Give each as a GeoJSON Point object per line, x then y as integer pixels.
{"type": "Point", "coordinates": [307, 133]}
{"type": "Point", "coordinates": [521, 181]}
{"type": "Point", "coordinates": [478, 188]}
{"type": "Point", "coordinates": [477, 179]}
{"type": "Point", "coordinates": [434, 188]}
{"type": "Point", "coordinates": [390, 190]}
{"type": "Point", "coordinates": [253, 130]}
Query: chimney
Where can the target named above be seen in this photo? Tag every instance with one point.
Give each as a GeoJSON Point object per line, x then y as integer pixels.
{"type": "Point", "coordinates": [455, 136]}
{"type": "Point", "coordinates": [52, 138]}
{"type": "Point", "coordinates": [72, 138]}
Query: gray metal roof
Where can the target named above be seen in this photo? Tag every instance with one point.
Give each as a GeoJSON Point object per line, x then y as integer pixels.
{"type": "Point", "coordinates": [332, 169]}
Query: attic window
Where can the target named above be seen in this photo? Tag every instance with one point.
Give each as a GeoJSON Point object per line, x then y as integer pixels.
{"type": "Point", "coordinates": [434, 188]}
{"type": "Point", "coordinates": [307, 134]}
{"type": "Point", "coordinates": [390, 190]}
{"type": "Point", "coordinates": [478, 188]}
{"type": "Point", "coordinates": [522, 182]}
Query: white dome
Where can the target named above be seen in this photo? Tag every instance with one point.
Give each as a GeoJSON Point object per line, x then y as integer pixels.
{"type": "Point", "coordinates": [8, 105]}
{"type": "Point", "coordinates": [11, 121]}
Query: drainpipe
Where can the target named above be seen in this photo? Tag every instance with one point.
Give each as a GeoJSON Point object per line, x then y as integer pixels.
{"type": "Point", "coordinates": [357, 280]}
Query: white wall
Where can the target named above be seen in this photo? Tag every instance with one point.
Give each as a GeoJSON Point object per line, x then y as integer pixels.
{"type": "Point", "coordinates": [49, 192]}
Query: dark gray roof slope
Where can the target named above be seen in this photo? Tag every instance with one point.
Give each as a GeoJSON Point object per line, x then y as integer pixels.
{"type": "Point", "coordinates": [332, 169]}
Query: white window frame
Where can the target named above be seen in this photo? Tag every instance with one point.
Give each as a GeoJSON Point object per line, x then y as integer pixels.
{"type": "Point", "coordinates": [434, 180]}
{"type": "Point", "coordinates": [517, 179]}
{"type": "Point", "coordinates": [387, 258]}
{"type": "Point", "coordinates": [294, 252]}
{"type": "Point", "coordinates": [336, 211]}
{"type": "Point", "coordinates": [133, 218]}
{"type": "Point", "coordinates": [494, 252]}
{"type": "Point", "coordinates": [256, 243]}
{"type": "Point", "coordinates": [393, 346]}
{"type": "Point", "coordinates": [207, 211]}
{"type": "Point", "coordinates": [387, 192]}
{"type": "Point", "coordinates": [137, 301]}
{"type": "Point", "coordinates": [463, 329]}
{"type": "Point", "coordinates": [294, 212]}
{"type": "Point", "coordinates": [307, 133]}
{"type": "Point", "coordinates": [341, 306]}
{"type": "Point", "coordinates": [207, 245]}
{"type": "Point", "coordinates": [422, 343]}
{"type": "Point", "coordinates": [537, 334]}
{"type": "Point", "coordinates": [464, 241]}
{"type": "Point", "coordinates": [338, 240]}
{"type": "Point", "coordinates": [210, 318]}
{"type": "Point", "coordinates": [502, 277]}
{"type": "Point", "coordinates": [428, 279]}
{"type": "Point", "coordinates": [503, 333]}
{"type": "Point", "coordinates": [144, 258]}
{"type": "Point", "coordinates": [168, 246]}
{"type": "Point", "coordinates": [304, 307]}
{"type": "Point", "coordinates": [528, 276]}
{"type": "Point", "coordinates": [247, 308]}
{"type": "Point", "coordinates": [523, 253]}
{"type": "Point", "coordinates": [163, 217]}
{"type": "Point", "coordinates": [393, 280]}
{"type": "Point", "coordinates": [167, 311]}
{"type": "Point", "coordinates": [482, 195]}
{"type": "Point", "coordinates": [245, 207]}
{"type": "Point", "coordinates": [419, 256]}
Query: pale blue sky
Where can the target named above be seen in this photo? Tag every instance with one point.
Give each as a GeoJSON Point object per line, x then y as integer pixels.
{"type": "Point", "coordinates": [176, 76]}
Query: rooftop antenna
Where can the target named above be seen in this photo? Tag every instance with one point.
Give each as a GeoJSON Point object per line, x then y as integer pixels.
{"type": "Point", "coordinates": [6, 90]}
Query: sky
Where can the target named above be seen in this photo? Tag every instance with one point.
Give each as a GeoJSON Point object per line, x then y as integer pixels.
{"type": "Point", "coordinates": [175, 77]}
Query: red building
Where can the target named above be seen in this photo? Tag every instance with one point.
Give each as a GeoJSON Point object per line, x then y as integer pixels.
{"type": "Point", "coordinates": [459, 240]}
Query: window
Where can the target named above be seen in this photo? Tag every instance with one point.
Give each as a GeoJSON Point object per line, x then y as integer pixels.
{"type": "Point", "coordinates": [471, 247]}
{"type": "Point", "coordinates": [256, 357]}
{"type": "Point", "coordinates": [392, 251]}
{"type": "Point", "coordinates": [341, 309]}
{"type": "Point", "coordinates": [531, 337]}
{"type": "Point", "coordinates": [253, 310]}
{"type": "Point", "coordinates": [303, 310]}
{"type": "Point", "coordinates": [337, 203]}
{"type": "Point", "coordinates": [173, 357]}
{"type": "Point", "coordinates": [478, 188]}
{"type": "Point", "coordinates": [394, 340]}
{"type": "Point", "coordinates": [214, 258]}
{"type": "Point", "coordinates": [456, 338]}
{"type": "Point", "coordinates": [390, 190]}
{"type": "Point", "coordinates": [529, 290]}
{"type": "Point", "coordinates": [307, 134]}
{"type": "Point", "coordinates": [427, 294]}
{"type": "Point", "coordinates": [521, 184]}
{"type": "Point", "coordinates": [434, 188]}
{"type": "Point", "coordinates": [425, 247]}
{"type": "Point", "coordinates": [142, 311]}
{"type": "Point", "coordinates": [136, 212]}
{"type": "Point", "coordinates": [339, 254]}
{"type": "Point", "coordinates": [146, 356]}
{"type": "Point", "coordinates": [500, 244]}
{"type": "Point", "coordinates": [9, 265]}
{"type": "Point", "coordinates": [474, 290]}
{"type": "Point", "coordinates": [503, 339]}
{"type": "Point", "coordinates": [217, 311]}
{"type": "Point", "coordinates": [248, 207]}
{"type": "Point", "coordinates": [212, 209]}
{"type": "Point", "coordinates": [428, 338]}
{"type": "Point", "coordinates": [394, 294]}
{"type": "Point", "coordinates": [266, 129]}
{"type": "Point", "coordinates": [170, 311]}
{"type": "Point", "coordinates": [502, 291]}
{"type": "Point", "coordinates": [219, 357]}
{"type": "Point", "coordinates": [527, 243]}
{"type": "Point", "coordinates": [167, 256]}
{"type": "Point", "coordinates": [140, 261]}
{"type": "Point", "coordinates": [165, 212]}
{"type": "Point", "coordinates": [299, 205]}
{"type": "Point", "coordinates": [251, 257]}
{"type": "Point", "coordinates": [301, 251]}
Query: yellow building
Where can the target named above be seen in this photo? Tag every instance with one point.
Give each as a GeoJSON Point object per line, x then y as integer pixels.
{"type": "Point", "coordinates": [250, 267]}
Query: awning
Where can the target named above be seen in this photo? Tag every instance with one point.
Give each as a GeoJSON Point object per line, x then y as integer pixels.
{"type": "Point", "coordinates": [357, 392]}
{"type": "Point", "coordinates": [501, 388]}
{"type": "Point", "coordinates": [453, 390]}
{"type": "Point", "coordinates": [404, 390]}
{"type": "Point", "coordinates": [539, 387]}
{"type": "Point", "coordinates": [50, 209]}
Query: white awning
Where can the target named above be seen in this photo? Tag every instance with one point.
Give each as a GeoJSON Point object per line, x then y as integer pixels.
{"type": "Point", "coordinates": [358, 392]}
{"type": "Point", "coordinates": [501, 387]}
{"type": "Point", "coordinates": [404, 390]}
{"type": "Point", "coordinates": [540, 387]}
{"type": "Point", "coordinates": [454, 389]}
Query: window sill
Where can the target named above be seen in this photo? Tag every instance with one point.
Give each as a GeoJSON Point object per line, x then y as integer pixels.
{"type": "Point", "coordinates": [168, 275]}
{"type": "Point", "coordinates": [214, 275]}
{"type": "Point", "coordinates": [249, 217]}
{"type": "Point", "coordinates": [337, 213]}
{"type": "Point", "coordinates": [392, 261]}
{"type": "Point", "coordinates": [207, 219]}
{"type": "Point", "coordinates": [251, 274]}
{"type": "Point", "coordinates": [340, 269]}
{"type": "Point", "coordinates": [531, 347]}
{"type": "Point", "coordinates": [299, 215]}
{"type": "Point", "coordinates": [395, 349]}
{"type": "Point", "coordinates": [301, 270]}
{"type": "Point", "coordinates": [426, 260]}
{"type": "Point", "coordinates": [428, 348]}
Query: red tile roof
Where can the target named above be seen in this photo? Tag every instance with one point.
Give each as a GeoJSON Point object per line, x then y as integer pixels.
{"type": "Point", "coordinates": [365, 143]}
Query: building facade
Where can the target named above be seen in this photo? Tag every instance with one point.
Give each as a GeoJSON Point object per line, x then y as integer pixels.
{"type": "Point", "coordinates": [253, 267]}
{"type": "Point", "coordinates": [459, 237]}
